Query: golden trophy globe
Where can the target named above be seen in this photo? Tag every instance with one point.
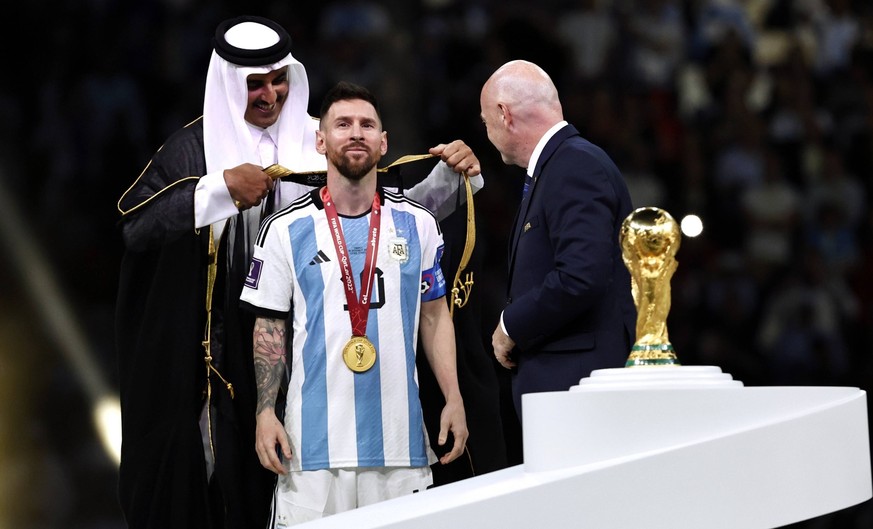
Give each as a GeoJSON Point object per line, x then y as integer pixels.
{"type": "Point", "coordinates": [649, 241]}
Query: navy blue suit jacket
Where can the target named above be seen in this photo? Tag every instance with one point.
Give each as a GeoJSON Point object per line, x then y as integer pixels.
{"type": "Point", "coordinates": [570, 309]}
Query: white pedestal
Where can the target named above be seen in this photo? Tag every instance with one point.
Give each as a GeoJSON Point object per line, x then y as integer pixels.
{"type": "Point", "coordinates": [659, 447]}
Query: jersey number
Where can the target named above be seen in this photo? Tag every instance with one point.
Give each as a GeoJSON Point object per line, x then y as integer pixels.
{"type": "Point", "coordinates": [377, 297]}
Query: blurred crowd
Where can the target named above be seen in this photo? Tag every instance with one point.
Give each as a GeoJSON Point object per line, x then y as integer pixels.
{"type": "Point", "coordinates": [755, 115]}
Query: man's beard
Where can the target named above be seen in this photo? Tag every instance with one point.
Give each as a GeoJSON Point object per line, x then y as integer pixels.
{"type": "Point", "coordinates": [354, 169]}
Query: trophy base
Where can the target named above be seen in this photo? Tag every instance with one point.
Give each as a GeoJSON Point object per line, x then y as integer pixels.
{"type": "Point", "coordinates": [676, 377]}
{"type": "Point", "coordinates": [652, 355]}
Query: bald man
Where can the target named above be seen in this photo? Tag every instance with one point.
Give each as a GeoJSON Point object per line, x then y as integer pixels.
{"type": "Point", "coordinates": [569, 308]}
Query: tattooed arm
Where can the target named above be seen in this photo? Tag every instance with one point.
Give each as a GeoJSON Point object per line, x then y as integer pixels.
{"type": "Point", "coordinates": [269, 337]}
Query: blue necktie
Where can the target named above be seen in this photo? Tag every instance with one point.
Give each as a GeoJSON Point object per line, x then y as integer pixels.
{"type": "Point", "coordinates": [527, 181]}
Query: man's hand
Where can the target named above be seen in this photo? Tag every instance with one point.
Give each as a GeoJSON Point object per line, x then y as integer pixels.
{"type": "Point", "coordinates": [248, 184]}
{"type": "Point", "coordinates": [503, 346]}
{"type": "Point", "coordinates": [270, 433]}
{"type": "Point", "coordinates": [453, 419]}
{"type": "Point", "coordinates": [458, 156]}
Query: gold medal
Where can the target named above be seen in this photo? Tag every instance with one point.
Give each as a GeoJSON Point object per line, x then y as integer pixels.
{"type": "Point", "coordinates": [359, 354]}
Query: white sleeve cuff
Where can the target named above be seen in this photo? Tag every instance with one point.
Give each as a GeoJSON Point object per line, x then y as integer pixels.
{"type": "Point", "coordinates": [212, 200]}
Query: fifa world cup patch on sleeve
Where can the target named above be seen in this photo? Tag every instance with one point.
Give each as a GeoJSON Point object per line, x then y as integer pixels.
{"type": "Point", "coordinates": [254, 276]}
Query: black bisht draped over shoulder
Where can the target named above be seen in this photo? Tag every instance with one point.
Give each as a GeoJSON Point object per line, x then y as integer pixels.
{"type": "Point", "coordinates": [160, 325]}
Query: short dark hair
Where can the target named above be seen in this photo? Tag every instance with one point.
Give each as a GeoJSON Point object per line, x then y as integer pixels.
{"type": "Point", "coordinates": [344, 91]}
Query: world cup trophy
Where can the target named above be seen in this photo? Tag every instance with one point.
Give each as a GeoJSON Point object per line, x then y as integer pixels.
{"type": "Point", "coordinates": [649, 241]}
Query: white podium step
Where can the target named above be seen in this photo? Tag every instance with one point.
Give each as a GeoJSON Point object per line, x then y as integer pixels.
{"type": "Point", "coordinates": [659, 447]}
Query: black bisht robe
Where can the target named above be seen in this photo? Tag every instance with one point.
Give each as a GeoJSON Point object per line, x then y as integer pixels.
{"type": "Point", "coordinates": [478, 382]}
{"type": "Point", "coordinates": [160, 326]}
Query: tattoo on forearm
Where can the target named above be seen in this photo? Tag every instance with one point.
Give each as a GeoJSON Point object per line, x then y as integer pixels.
{"type": "Point", "coordinates": [269, 359]}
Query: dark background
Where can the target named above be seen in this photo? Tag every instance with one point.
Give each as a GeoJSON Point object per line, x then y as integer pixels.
{"type": "Point", "coordinates": [755, 115]}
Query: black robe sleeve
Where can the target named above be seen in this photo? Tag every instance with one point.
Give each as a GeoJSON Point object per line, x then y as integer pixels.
{"type": "Point", "coordinates": [159, 206]}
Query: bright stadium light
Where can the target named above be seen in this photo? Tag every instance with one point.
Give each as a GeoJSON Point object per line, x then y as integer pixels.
{"type": "Point", "coordinates": [107, 418]}
{"type": "Point", "coordinates": [691, 226]}
{"type": "Point", "coordinates": [59, 318]}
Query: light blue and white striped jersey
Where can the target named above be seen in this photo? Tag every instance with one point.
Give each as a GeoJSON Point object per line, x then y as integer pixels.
{"type": "Point", "coordinates": [337, 418]}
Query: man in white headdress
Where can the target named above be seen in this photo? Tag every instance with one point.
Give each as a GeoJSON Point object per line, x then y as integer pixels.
{"type": "Point", "coordinates": [188, 222]}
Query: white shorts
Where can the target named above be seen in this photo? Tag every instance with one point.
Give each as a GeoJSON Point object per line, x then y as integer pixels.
{"type": "Point", "coordinates": [308, 495]}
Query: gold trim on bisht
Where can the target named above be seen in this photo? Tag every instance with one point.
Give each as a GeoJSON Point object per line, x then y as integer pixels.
{"type": "Point", "coordinates": [461, 288]}
{"type": "Point", "coordinates": [465, 286]}
{"type": "Point", "coordinates": [212, 272]}
{"type": "Point", "coordinates": [277, 171]}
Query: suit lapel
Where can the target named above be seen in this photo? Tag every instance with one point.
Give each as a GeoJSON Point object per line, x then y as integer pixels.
{"type": "Point", "coordinates": [523, 208]}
